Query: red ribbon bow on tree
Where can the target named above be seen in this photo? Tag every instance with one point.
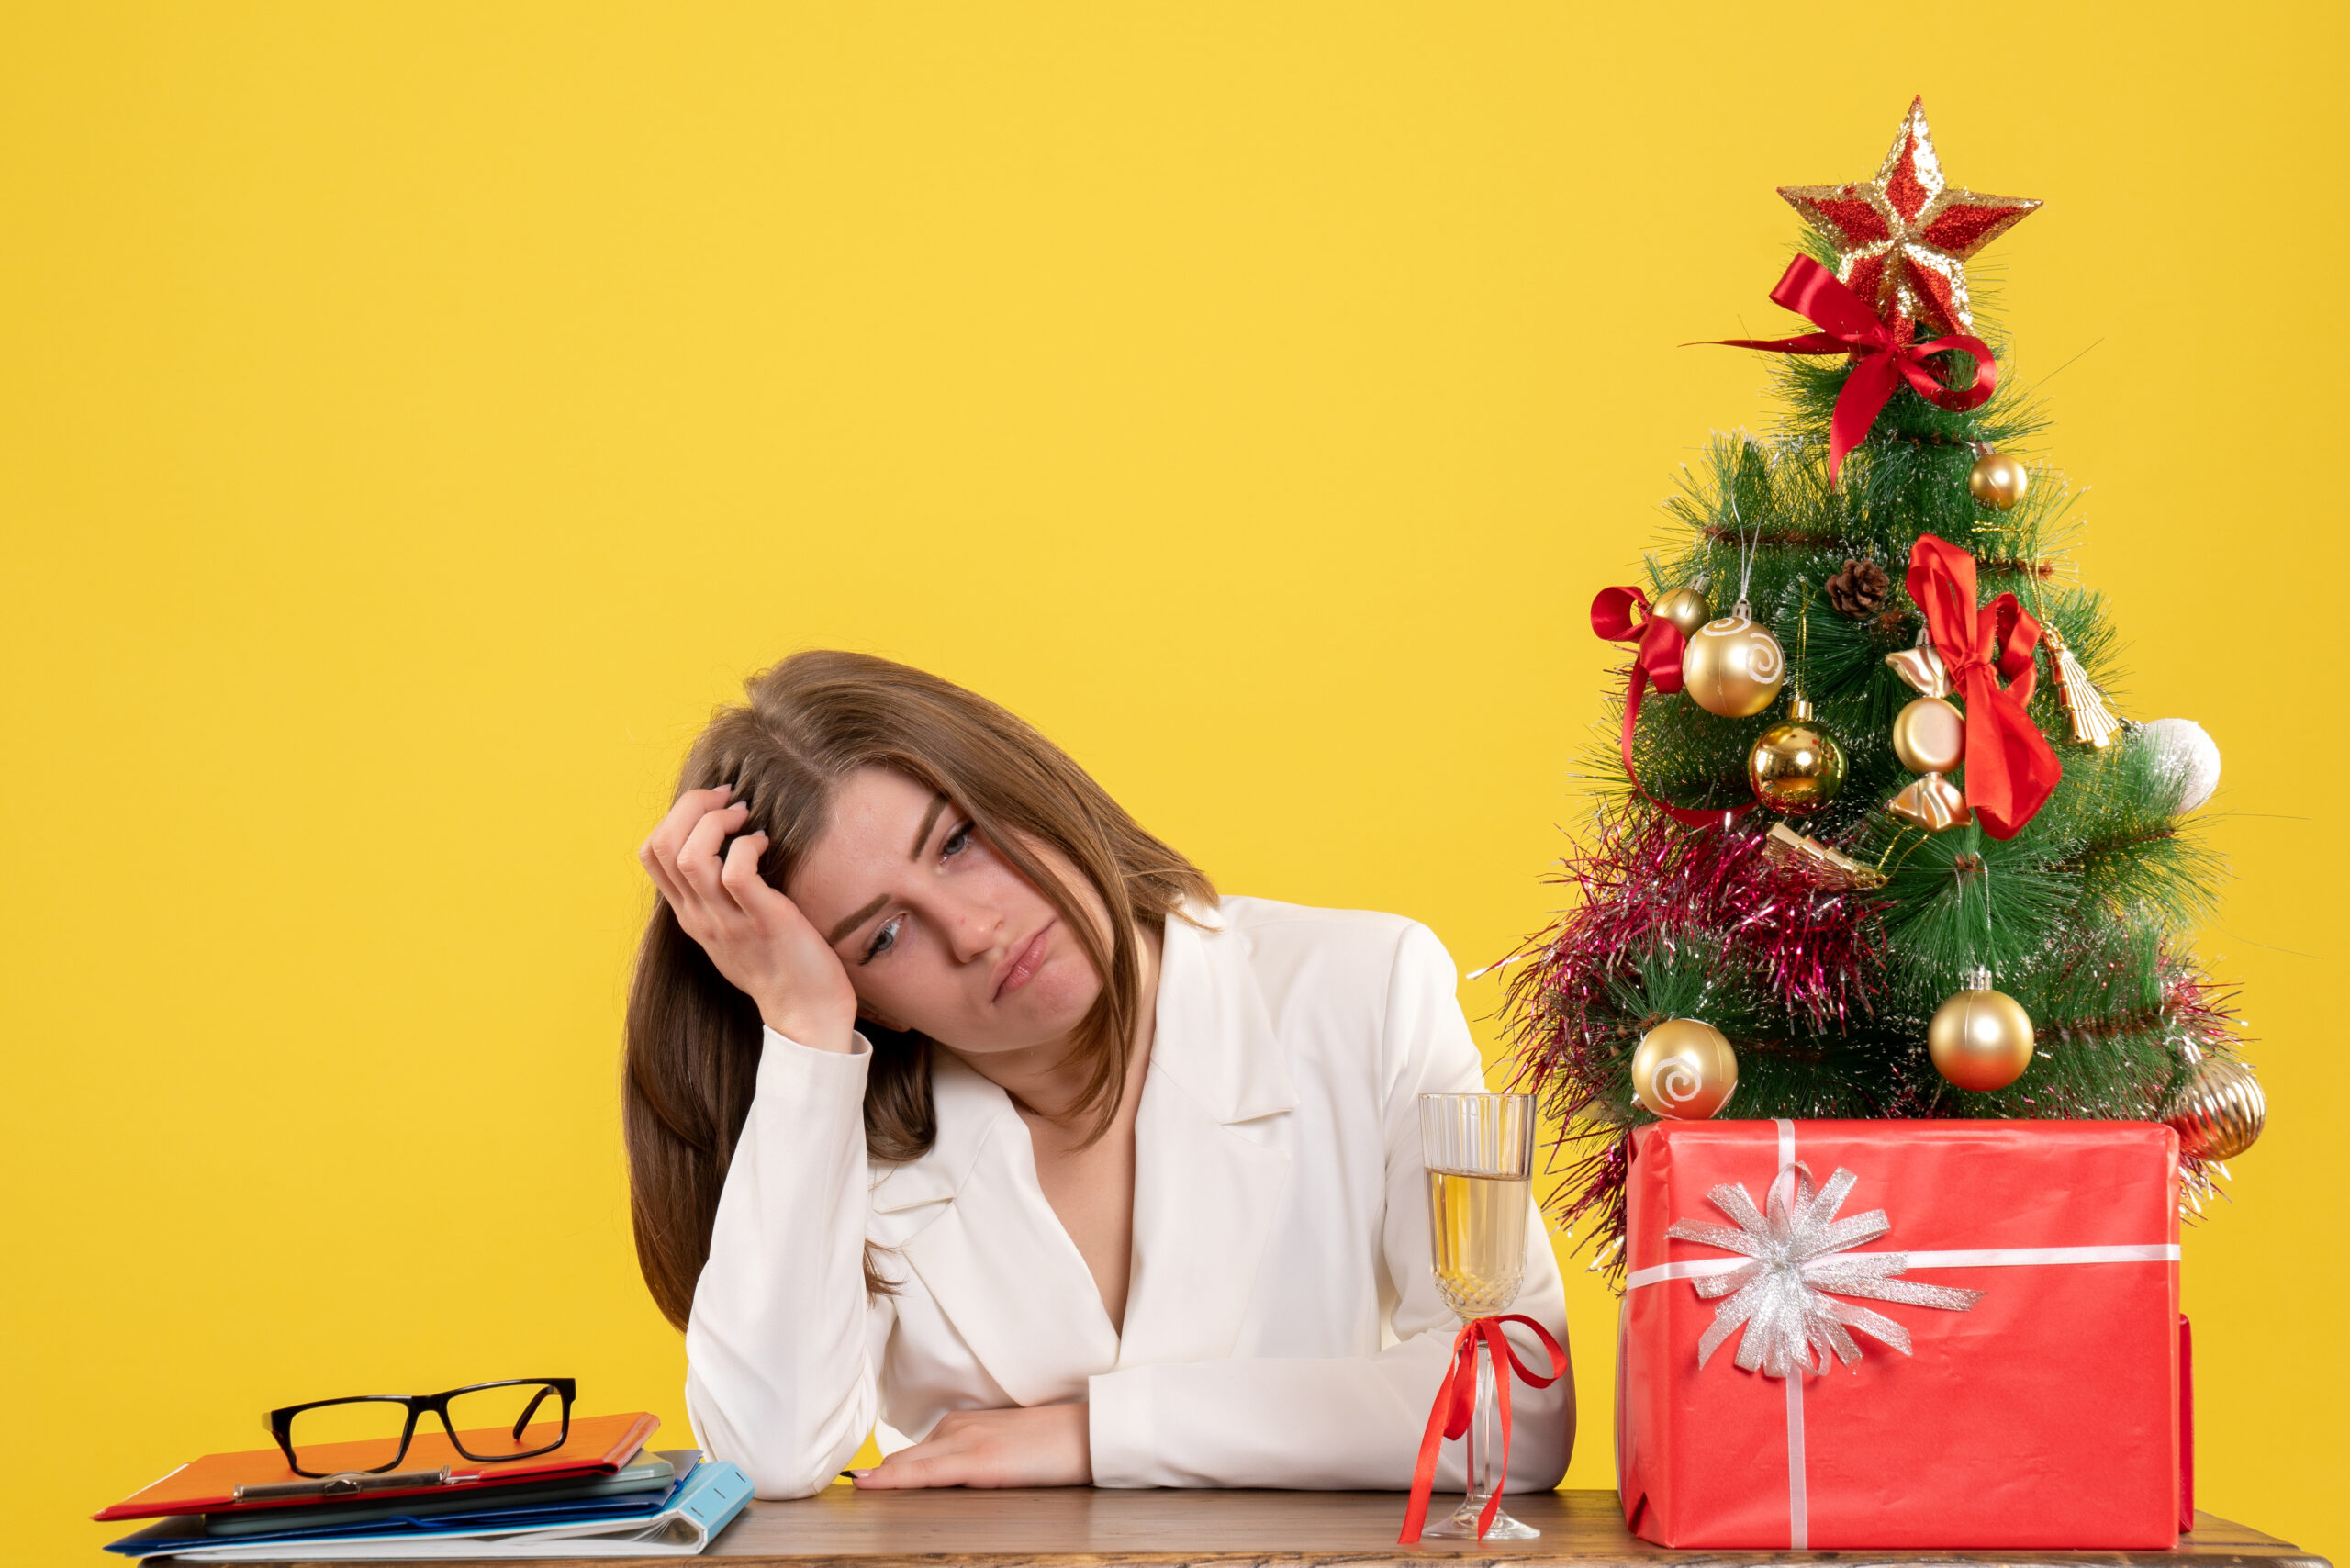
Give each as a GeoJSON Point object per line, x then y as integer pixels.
{"type": "Point", "coordinates": [2010, 768]}
{"type": "Point", "coordinates": [1456, 1402]}
{"type": "Point", "coordinates": [1882, 357]}
{"type": "Point", "coordinates": [1622, 615]}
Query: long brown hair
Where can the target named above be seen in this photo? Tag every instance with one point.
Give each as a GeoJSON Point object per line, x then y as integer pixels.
{"type": "Point", "coordinates": [805, 726]}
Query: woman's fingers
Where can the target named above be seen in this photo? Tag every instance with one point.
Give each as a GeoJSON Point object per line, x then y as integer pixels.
{"type": "Point", "coordinates": [658, 852]}
{"type": "Point", "coordinates": [1044, 1445]}
{"type": "Point", "coordinates": [696, 866]}
{"type": "Point", "coordinates": [948, 1457]}
{"type": "Point", "coordinates": [666, 886]}
{"type": "Point", "coordinates": [925, 1464]}
{"type": "Point", "coordinates": [740, 877]}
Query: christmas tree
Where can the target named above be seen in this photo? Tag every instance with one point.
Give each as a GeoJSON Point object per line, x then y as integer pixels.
{"type": "Point", "coordinates": [1871, 841]}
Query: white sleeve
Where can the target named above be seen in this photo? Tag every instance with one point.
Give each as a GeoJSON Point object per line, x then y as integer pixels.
{"type": "Point", "coordinates": [1354, 1421]}
{"type": "Point", "coordinates": [782, 1348]}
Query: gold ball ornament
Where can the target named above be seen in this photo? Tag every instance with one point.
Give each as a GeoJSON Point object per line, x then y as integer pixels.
{"type": "Point", "coordinates": [1930, 736]}
{"type": "Point", "coordinates": [1683, 1070]}
{"type": "Point", "coordinates": [2219, 1112]}
{"type": "Point", "coordinates": [1980, 1039]}
{"type": "Point", "coordinates": [1998, 480]}
{"type": "Point", "coordinates": [1795, 768]}
{"type": "Point", "coordinates": [1685, 608]}
{"type": "Point", "coordinates": [1733, 668]}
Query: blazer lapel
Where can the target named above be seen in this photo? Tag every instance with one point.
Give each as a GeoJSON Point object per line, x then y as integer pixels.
{"type": "Point", "coordinates": [995, 1257]}
{"type": "Point", "coordinates": [1211, 1171]}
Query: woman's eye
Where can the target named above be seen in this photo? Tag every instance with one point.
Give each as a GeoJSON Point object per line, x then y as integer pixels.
{"type": "Point", "coordinates": [883, 940]}
{"type": "Point", "coordinates": [957, 842]}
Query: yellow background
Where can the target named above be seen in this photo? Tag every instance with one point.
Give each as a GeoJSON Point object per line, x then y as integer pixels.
{"type": "Point", "coordinates": [413, 418]}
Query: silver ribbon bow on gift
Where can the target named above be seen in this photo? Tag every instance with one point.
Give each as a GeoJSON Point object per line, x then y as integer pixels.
{"type": "Point", "coordinates": [1783, 1296]}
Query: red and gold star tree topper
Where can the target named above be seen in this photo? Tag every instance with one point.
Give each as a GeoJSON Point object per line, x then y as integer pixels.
{"type": "Point", "coordinates": [1902, 240]}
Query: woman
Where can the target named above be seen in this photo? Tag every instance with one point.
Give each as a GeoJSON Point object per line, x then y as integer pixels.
{"type": "Point", "coordinates": [1120, 1183]}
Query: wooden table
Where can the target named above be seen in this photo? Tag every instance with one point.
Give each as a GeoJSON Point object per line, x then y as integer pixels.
{"type": "Point", "coordinates": [1081, 1527]}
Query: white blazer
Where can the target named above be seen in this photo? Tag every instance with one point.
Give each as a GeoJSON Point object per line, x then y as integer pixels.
{"type": "Point", "coordinates": [1283, 1325]}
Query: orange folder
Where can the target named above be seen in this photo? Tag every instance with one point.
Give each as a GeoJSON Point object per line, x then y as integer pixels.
{"type": "Point", "coordinates": [598, 1445]}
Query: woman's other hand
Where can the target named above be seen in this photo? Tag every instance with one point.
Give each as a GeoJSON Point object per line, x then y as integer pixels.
{"type": "Point", "coordinates": [757, 937]}
{"type": "Point", "coordinates": [1038, 1445]}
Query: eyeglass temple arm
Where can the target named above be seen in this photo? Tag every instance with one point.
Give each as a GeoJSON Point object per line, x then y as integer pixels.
{"type": "Point", "coordinates": [532, 1409]}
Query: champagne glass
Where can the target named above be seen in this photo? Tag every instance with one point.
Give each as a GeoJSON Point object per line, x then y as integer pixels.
{"type": "Point", "coordinates": [1479, 1149]}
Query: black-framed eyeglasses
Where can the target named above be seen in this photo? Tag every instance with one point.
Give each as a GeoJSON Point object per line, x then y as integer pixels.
{"type": "Point", "coordinates": [368, 1434]}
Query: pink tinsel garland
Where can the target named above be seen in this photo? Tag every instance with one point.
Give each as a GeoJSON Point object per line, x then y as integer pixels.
{"type": "Point", "coordinates": [1646, 883]}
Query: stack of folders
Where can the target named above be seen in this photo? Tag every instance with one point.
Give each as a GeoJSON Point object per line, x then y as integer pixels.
{"type": "Point", "coordinates": [602, 1494]}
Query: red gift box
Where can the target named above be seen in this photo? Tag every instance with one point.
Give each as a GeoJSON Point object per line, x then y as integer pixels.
{"type": "Point", "coordinates": [2043, 1414]}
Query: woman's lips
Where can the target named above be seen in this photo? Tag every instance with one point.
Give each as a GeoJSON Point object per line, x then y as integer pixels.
{"type": "Point", "coordinates": [1030, 958]}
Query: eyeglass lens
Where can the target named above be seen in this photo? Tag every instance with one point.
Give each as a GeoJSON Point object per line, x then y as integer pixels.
{"type": "Point", "coordinates": [508, 1420]}
{"type": "Point", "coordinates": [350, 1434]}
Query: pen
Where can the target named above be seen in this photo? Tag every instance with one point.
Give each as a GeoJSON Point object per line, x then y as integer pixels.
{"type": "Point", "coordinates": [348, 1483]}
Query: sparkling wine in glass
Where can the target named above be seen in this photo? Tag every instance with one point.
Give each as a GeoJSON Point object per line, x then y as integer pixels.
{"type": "Point", "coordinates": [1478, 1150]}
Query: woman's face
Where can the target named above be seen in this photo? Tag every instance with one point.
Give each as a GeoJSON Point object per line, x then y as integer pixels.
{"type": "Point", "coordinates": [938, 931]}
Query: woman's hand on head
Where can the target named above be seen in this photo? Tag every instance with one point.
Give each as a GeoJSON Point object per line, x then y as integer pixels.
{"type": "Point", "coordinates": [1037, 1445]}
{"type": "Point", "coordinates": [756, 936]}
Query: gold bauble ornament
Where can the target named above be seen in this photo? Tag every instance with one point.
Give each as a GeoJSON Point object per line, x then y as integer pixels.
{"type": "Point", "coordinates": [1685, 608]}
{"type": "Point", "coordinates": [1980, 1039]}
{"type": "Point", "coordinates": [1795, 768]}
{"type": "Point", "coordinates": [1998, 480]}
{"type": "Point", "coordinates": [1683, 1070]}
{"type": "Point", "coordinates": [2219, 1112]}
{"type": "Point", "coordinates": [1928, 736]}
{"type": "Point", "coordinates": [1732, 667]}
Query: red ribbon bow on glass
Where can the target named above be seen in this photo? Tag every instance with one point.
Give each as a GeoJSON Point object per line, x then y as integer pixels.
{"type": "Point", "coordinates": [1881, 356]}
{"type": "Point", "coordinates": [1456, 1401]}
{"type": "Point", "coordinates": [1622, 615]}
{"type": "Point", "coordinates": [2010, 768]}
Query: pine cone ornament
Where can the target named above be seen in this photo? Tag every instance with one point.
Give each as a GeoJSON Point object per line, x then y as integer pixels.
{"type": "Point", "coordinates": [1859, 589]}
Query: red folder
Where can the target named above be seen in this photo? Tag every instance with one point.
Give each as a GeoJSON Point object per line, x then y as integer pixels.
{"type": "Point", "coordinates": [598, 1445]}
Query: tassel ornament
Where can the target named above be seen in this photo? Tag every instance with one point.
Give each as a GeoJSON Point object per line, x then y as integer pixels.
{"type": "Point", "coordinates": [2093, 723]}
{"type": "Point", "coordinates": [1828, 867]}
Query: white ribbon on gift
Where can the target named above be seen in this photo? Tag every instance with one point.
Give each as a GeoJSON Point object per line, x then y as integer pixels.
{"type": "Point", "coordinates": [1826, 1270]}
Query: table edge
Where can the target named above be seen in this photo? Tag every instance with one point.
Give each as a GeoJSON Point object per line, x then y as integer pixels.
{"type": "Point", "coordinates": [1403, 1558]}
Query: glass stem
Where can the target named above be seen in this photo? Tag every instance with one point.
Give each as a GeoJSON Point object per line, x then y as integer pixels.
{"type": "Point", "coordinates": [1484, 1435]}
